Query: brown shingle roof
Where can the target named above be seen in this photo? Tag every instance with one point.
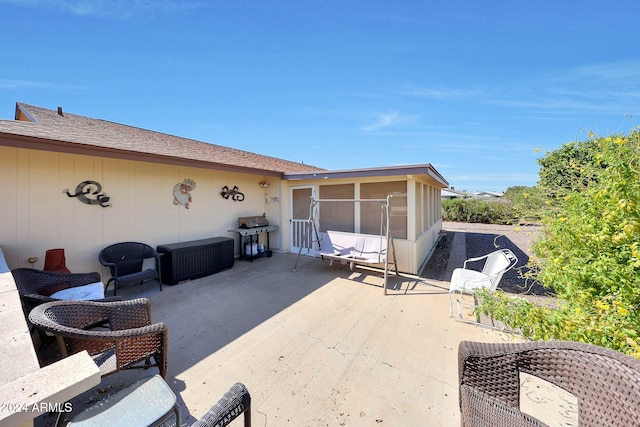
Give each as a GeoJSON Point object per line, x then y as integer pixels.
{"type": "Point", "coordinates": [112, 139]}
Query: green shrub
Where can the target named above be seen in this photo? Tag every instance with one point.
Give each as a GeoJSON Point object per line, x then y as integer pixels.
{"type": "Point", "coordinates": [478, 211]}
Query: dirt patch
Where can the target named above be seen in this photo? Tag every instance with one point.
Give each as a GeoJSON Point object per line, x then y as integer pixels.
{"type": "Point", "coordinates": [436, 267]}
{"type": "Point", "coordinates": [481, 239]}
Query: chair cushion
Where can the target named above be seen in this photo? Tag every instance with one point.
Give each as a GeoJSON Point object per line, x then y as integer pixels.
{"type": "Point", "coordinates": [91, 291]}
{"type": "Point", "coordinates": [55, 261]}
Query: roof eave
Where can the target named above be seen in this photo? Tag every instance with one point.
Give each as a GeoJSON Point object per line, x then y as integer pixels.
{"type": "Point", "coordinates": [424, 169]}
{"type": "Point", "coordinates": [35, 143]}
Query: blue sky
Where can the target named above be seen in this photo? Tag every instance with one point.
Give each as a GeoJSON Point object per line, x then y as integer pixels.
{"type": "Point", "coordinates": [480, 89]}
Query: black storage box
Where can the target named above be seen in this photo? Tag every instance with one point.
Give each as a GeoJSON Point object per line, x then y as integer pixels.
{"type": "Point", "coordinates": [194, 259]}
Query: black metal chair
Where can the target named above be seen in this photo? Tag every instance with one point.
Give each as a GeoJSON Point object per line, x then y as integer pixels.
{"type": "Point", "coordinates": [125, 261]}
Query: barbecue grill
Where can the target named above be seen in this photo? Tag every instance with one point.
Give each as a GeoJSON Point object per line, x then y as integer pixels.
{"type": "Point", "coordinates": [248, 227]}
{"type": "Point", "coordinates": [252, 222]}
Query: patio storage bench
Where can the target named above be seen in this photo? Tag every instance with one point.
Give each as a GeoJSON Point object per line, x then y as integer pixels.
{"type": "Point", "coordinates": [194, 259]}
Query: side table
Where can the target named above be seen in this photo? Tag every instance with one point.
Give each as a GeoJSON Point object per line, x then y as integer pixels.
{"type": "Point", "coordinates": [147, 402]}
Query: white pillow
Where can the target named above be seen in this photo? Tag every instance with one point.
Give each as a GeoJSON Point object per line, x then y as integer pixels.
{"type": "Point", "coordinates": [85, 292]}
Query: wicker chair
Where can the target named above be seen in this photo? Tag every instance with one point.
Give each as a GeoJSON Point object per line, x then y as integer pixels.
{"type": "Point", "coordinates": [130, 341]}
{"type": "Point", "coordinates": [236, 401]}
{"type": "Point", "coordinates": [36, 286]}
{"type": "Point", "coordinates": [125, 263]}
{"type": "Point", "coordinates": [605, 383]}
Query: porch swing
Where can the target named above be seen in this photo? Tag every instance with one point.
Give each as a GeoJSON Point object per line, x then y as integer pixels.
{"type": "Point", "coordinates": [355, 249]}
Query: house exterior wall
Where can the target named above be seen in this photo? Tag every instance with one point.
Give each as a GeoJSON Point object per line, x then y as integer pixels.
{"type": "Point", "coordinates": [428, 219]}
{"type": "Point", "coordinates": [35, 214]}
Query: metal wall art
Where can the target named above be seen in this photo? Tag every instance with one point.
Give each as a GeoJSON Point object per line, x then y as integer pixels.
{"type": "Point", "coordinates": [234, 193]}
{"type": "Point", "coordinates": [86, 188]}
{"type": "Point", "coordinates": [182, 192]}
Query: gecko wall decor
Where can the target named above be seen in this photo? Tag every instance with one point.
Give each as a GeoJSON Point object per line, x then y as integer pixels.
{"type": "Point", "coordinates": [234, 193]}
{"type": "Point", "coordinates": [90, 192]}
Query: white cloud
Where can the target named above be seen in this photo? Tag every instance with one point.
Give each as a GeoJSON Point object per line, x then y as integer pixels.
{"type": "Point", "coordinates": [436, 93]}
{"type": "Point", "coordinates": [609, 88]}
{"type": "Point", "coordinates": [14, 84]}
{"type": "Point", "coordinates": [110, 8]}
{"type": "Point", "coordinates": [625, 71]}
{"type": "Point", "coordinates": [383, 121]}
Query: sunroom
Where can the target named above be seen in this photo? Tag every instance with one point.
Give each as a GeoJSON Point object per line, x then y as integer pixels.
{"type": "Point", "coordinates": [353, 201]}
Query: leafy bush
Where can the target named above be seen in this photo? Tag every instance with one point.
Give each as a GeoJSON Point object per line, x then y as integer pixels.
{"type": "Point", "coordinates": [529, 204]}
{"type": "Point", "coordinates": [565, 169]}
{"type": "Point", "coordinates": [478, 211]}
{"type": "Point", "coordinates": [589, 253]}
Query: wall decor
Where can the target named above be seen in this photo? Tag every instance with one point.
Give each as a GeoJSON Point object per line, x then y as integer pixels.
{"type": "Point", "coordinates": [182, 192]}
{"type": "Point", "coordinates": [234, 193]}
{"type": "Point", "coordinates": [93, 188]}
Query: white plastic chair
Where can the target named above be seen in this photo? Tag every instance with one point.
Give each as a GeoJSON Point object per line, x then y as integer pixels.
{"type": "Point", "coordinates": [466, 280]}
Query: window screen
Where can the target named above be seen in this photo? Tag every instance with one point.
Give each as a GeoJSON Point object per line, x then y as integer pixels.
{"type": "Point", "coordinates": [337, 216]}
{"type": "Point", "coordinates": [370, 212]}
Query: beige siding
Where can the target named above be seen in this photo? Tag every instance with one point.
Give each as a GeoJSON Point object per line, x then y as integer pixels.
{"type": "Point", "coordinates": [12, 179]}
{"type": "Point", "coordinates": [36, 215]}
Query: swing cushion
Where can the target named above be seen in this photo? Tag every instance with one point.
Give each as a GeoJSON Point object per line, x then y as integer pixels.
{"type": "Point", "coordinates": [362, 248]}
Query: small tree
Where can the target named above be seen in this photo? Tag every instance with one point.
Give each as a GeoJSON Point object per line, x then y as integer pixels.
{"type": "Point", "coordinates": [589, 252]}
{"type": "Point", "coordinates": [569, 168]}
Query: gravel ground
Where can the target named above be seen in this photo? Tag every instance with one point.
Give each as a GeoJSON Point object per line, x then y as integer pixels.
{"type": "Point", "coordinates": [481, 239]}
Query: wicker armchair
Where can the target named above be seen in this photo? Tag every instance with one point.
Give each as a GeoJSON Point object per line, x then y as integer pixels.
{"type": "Point", "coordinates": [129, 341]}
{"type": "Point", "coordinates": [605, 383]}
{"type": "Point", "coordinates": [35, 286]}
{"type": "Point", "coordinates": [234, 402]}
{"type": "Point", "coordinates": [125, 264]}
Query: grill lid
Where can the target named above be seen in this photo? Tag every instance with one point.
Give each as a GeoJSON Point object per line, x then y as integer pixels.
{"type": "Point", "coordinates": [252, 221]}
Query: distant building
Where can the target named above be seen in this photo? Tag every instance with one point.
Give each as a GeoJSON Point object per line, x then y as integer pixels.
{"type": "Point", "coordinates": [451, 193]}
{"type": "Point", "coordinates": [491, 194]}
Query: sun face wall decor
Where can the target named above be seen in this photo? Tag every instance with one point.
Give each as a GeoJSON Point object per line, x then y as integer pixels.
{"type": "Point", "coordinates": [182, 192]}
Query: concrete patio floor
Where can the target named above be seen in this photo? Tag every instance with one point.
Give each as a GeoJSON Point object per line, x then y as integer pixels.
{"type": "Point", "coordinates": [322, 346]}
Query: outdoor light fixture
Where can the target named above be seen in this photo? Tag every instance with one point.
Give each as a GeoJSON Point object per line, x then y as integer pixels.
{"type": "Point", "coordinates": [264, 184]}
